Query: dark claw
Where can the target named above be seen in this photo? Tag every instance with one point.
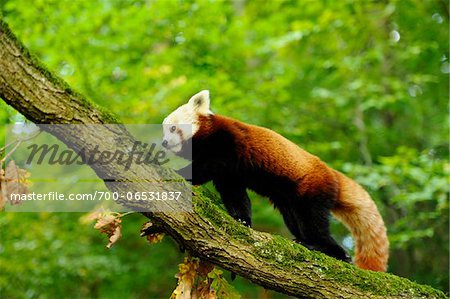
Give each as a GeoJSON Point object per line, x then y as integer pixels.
{"type": "Point", "coordinates": [347, 258]}
{"type": "Point", "coordinates": [233, 276]}
{"type": "Point", "coordinates": [244, 222]}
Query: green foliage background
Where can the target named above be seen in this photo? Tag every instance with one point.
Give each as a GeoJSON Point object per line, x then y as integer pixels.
{"type": "Point", "coordinates": [362, 84]}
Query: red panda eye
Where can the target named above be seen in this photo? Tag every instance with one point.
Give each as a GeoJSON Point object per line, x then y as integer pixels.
{"type": "Point", "coordinates": [172, 129]}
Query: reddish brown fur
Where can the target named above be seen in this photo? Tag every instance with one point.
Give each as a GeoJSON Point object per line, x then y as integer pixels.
{"type": "Point", "coordinates": [270, 164]}
{"type": "Point", "coordinates": [360, 214]}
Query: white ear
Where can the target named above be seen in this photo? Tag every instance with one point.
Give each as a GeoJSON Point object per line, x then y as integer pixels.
{"type": "Point", "coordinates": [200, 102]}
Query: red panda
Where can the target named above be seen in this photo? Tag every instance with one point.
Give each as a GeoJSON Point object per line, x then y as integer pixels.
{"type": "Point", "coordinates": [237, 156]}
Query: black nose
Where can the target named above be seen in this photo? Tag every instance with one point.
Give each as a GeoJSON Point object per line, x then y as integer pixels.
{"type": "Point", "coordinates": [165, 143]}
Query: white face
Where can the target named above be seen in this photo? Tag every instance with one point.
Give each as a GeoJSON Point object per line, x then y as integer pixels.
{"type": "Point", "coordinates": [183, 123]}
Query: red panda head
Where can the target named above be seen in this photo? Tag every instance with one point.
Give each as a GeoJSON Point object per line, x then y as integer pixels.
{"type": "Point", "coordinates": [183, 123]}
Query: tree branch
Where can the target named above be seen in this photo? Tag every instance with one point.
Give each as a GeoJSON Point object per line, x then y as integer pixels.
{"type": "Point", "coordinates": [209, 232]}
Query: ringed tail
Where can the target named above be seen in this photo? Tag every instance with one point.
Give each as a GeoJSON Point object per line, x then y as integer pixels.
{"type": "Point", "coordinates": [357, 211]}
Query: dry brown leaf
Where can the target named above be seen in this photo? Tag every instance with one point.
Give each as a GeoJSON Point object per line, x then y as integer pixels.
{"type": "Point", "coordinates": [114, 237]}
{"type": "Point", "coordinates": [155, 238]}
{"type": "Point", "coordinates": [186, 276]}
{"type": "Point", "coordinates": [109, 224]}
{"type": "Point", "coordinates": [152, 238]}
{"type": "Point", "coordinates": [105, 222]}
{"type": "Point", "coordinates": [204, 289]}
{"type": "Point", "coordinates": [15, 181]}
{"type": "Point", "coordinates": [12, 178]}
{"type": "Point", "coordinates": [193, 280]}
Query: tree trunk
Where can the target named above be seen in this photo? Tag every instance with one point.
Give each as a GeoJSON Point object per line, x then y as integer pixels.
{"type": "Point", "coordinates": [208, 232]}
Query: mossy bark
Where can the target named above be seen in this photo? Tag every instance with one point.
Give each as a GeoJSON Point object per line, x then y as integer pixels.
{"type": "Point", "coordinates": [209, 233]}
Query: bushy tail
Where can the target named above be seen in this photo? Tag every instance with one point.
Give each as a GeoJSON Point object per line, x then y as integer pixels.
{"type": "Point", "coordinates": [360, 215]}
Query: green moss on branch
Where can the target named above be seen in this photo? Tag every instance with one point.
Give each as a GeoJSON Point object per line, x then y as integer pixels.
{"type": "Point", "coordinates": [291, 256]}
{"type": "Point", "coordinates": [258, 256]}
